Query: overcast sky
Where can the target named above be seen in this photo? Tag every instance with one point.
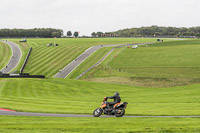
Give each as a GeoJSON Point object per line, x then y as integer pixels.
{"type": "Point", "coordinates": [87, 16]}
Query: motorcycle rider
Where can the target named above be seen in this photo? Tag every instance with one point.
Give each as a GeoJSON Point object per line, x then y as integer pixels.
{"type": "Point", "coordinates": [116, 98]}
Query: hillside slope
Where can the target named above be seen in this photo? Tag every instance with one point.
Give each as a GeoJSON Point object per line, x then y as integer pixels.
{"type": "Point", "coordinates": [160, 65]}
{"type": "Point", "coordinates": [5, 54]}
{"type": "Point", "coordinates": [81, 97]}
{"type": "Point", "coordinates": [49, 60]}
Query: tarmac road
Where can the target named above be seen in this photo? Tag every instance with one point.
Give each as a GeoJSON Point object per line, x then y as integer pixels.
{"type": "Point", "coordinates": [8, 113]}
{"type": "Point", "coordinates": [15, 58]}
{"type": "Point", "coordinates": [76, 62]}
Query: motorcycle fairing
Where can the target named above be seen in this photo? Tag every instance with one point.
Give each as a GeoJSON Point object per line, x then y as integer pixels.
{"type": "Point", "coordinates": [116, 104]}
{"type": "Point", "coordinates": [120, 104]}
{"type": "Point", "coordinates": [103, 105]}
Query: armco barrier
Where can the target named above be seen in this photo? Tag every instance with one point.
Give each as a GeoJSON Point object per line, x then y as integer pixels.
{"type": "Point", "coordinates": [23, 66]}
{"type": "Point", "coordinates": [24, 75]}
{"type": "Point", "coordinates": [107, 56]}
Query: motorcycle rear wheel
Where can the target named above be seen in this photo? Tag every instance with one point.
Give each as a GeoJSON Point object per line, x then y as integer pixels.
{"type": "Point", "coordinates": [119, 112]}
{"type": "Point", "coordinates": [97, 112]}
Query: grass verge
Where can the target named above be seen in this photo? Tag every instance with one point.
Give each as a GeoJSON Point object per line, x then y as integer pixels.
{"type": "Point", "coordinates": [5, 54]}
{"type": "Point", "coordinates": [97, 125]}
{"type": "Point", "coordinates": [82, 97]}
{"type": "Point", "coordinates": [156, 65]}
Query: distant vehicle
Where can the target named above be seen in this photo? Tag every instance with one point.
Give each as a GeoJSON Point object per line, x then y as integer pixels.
{"type": "Point", "coordinates": [23, 40]}
{"type": "Point", "coordinates": [135, 46]}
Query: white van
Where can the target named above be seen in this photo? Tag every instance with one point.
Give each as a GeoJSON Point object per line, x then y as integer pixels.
{"type": "Point", "coordinates": [135, 46]}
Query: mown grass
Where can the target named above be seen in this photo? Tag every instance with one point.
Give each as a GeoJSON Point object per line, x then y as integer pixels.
{"type": "Point", "coordinates": [24, 124]}
{"type": "Point", "coordinates": [49, 60]}
{"type": "Point", "coordinates": [5, 54]}
{"type": "Point", "coordinates": [81, 97]}
{"type": "Point", "coordinates": [160, 65]}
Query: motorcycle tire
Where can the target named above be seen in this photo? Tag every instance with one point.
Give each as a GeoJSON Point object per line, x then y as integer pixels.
{"type": "Point", "coordinates": [119, 112]}
{"type": "Point", "coordinates": [97, 112]}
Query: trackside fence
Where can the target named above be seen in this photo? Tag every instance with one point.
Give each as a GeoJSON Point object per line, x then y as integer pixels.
{"type": "Point", "coordinates": [23, 75]}
{"type": "Point", "coordinates": [26, 60]}
{"type": "Point", "coordinates": [82, 74]}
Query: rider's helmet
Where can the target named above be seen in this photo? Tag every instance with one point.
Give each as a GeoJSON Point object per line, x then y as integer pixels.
{"type": "Point", "coordinates": [116, 93]}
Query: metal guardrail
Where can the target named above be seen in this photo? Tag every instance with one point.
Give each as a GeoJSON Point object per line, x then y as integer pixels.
{"type": "Point", "coordinates": [26, 60]}
{"type": "Point", "coordinates": [25, 75]}
{"type": "Point", "coordinates": [81, 75]}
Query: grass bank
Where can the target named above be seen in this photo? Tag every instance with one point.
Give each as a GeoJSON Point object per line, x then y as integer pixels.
{"type": "Point", "coordinates": [97, 125]}
{"type": "Point", "coordinates": [49, 60]}
{"type": "Point", "coordinates": [5, 54]}
{"type": "Point", "coordinates": [82, 97]}
{"type": "Point", "coordinates": [157, 65]}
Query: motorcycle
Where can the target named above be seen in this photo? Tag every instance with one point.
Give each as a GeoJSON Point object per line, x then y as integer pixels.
{"type": "Point", "coordinates": [118, 109]}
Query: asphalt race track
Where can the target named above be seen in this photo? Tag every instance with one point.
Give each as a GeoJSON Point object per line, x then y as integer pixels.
{"type": "Point", "coordinates": [74, 115]}
{"type": "Point", "coordinates": [15, 58]}
{"type": "Point", "coordinates": [75, 63]}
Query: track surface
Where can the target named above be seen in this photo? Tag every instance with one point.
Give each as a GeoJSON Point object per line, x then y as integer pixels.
{"type": "Point", "coordinates": [74, 115]}
{"type": "Point", "coordinates": [75, 63]}
{"type": "Point", "coordinates": [15, 58]}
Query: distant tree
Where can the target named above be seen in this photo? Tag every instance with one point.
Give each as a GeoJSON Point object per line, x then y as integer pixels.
{"type": "Point", "coordinates": [93, 34]}
{"type": "Point", "coordinates": [99, 34]}
{"type": "Point", "coordinates": [76, 34]}
{"type": "Point", "coordinates": [55, 34]}
{"type": "Point", "coordinates": [69, 33]}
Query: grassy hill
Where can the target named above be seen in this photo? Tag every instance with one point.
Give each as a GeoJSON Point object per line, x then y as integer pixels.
{"type": "Point", "coordinates": [5, 54]}
{"type": "Point", "coordinates": [82, 97]}
{"type": "Point", "coordinates": [160, 65]}
{"type": "Point", "coordinates": [49, 60]}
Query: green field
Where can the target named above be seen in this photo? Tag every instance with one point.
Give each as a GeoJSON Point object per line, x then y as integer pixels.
{"type": "Point", "coordinates": [98, 125]}
{"type": "Point", "coordinates": [49, 60]}
{"type": "Point", "coordinates": [158, 79]}
{"type": "Point", "coordinates": [158, 65]}
{"type": "Point", "coordinates": [5, 54]}
{"type": "Point", "coordinates": [82, 97]}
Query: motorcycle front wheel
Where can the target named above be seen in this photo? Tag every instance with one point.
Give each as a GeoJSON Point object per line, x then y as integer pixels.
{"type": "Point", "coordinates": [119, 112]}
{"type": "Point", "coordinates": [97, 112]}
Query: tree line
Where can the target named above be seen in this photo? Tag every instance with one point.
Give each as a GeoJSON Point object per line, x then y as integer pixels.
{"type": "Point", "coordinates": [152, 31]}
{"type": "Point", "coordinates": [36, 32]}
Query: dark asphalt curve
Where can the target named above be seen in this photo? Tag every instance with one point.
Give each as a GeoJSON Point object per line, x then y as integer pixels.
{"type": "Point", "coordinates": [8, 113]}
{"type": "Point", "coordinates": [75, 63]}
{"type": "Point", "coordinates": [15, 58]}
